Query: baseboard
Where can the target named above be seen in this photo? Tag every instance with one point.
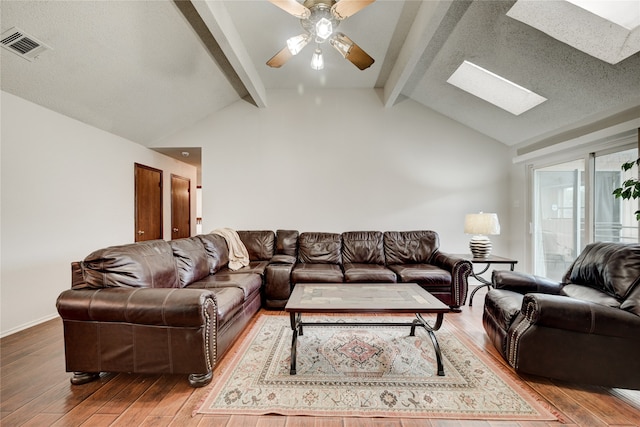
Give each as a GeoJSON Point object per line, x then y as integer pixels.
{"type": "Point", "coordinates": [28, 325]}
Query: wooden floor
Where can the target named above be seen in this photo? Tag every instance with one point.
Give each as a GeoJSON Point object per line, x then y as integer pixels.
{"type": "Point", "coordinates": [35, 391]}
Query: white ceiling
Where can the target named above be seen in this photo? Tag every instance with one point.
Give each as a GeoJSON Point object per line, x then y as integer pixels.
{"type": "Point", "coordinates": [146, 69]}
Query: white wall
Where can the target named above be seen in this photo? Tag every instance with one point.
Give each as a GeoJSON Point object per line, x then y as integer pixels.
{"type": "Point", "coordinates": [338, 160]}
{"type": "Point", "coordinates": [67, 189]}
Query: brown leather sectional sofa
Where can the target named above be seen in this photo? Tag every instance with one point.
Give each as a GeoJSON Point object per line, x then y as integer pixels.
{"type": "Point", "coordinates": [585, 329]}
{"type": "Point", "coordinates": [175, 307]}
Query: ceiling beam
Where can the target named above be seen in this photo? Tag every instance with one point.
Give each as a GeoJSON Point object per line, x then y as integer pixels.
{"type": "Point", "coordinates": [217, 19]}
{"type": "Point", "coordinates": [428, 21]}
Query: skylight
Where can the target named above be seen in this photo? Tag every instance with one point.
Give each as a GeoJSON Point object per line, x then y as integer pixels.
{"type": "Point", "coordinates": [624, 13]}
{"type": "Point", "coordinates": [605, 29]}
{"type": "Point", "coordinates": [494, 89]}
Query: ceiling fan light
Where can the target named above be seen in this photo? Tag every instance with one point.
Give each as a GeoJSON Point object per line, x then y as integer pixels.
{"type": "Point", "coordinates": [296, 43]}
{"type": "Point", "coordinates": [324, 28]}
{"type": "Point", "coordinates": [317, 61]}
{"type": "Point", "coordinates": [341, 43]}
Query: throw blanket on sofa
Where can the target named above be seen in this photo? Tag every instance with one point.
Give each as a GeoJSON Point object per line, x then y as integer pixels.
{"type": "Point", "coordinates": [238, 255]}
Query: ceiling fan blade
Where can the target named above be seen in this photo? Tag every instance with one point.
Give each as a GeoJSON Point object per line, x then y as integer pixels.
{"type": "Point", "coordinates": [351, 51]}
{"type": "Point", "coordinates": [345, 8]}
{"type": "Point", "coordinates": [293, 7]}
{"type": "Point", "coordinates": [280, 58]}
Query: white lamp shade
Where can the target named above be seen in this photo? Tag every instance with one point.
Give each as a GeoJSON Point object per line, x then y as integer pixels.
{"type": "Point", "coordinates": [482, 223]}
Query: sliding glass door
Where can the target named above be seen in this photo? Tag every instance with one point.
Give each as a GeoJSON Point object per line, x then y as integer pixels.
{"type": "Point", "coordinates": [558, 217]}
{"type": "Point", "coordinates": [615, 219]}
{"type": "Point", "coordinates": [573, 205]}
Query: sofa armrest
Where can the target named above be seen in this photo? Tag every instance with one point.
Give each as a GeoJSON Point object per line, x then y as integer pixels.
{"type": "Point", "coordinates": [460, 269]}
{"type": "Point", "coordinates": [144, 306]}
{"type": "Point", "coordinates": [524, 283]}
{"type": "Point", "coordinates": [566, 313]}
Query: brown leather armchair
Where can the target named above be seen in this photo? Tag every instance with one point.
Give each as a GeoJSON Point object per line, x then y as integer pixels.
{"type": "Point", "coordinates": [585, 329]}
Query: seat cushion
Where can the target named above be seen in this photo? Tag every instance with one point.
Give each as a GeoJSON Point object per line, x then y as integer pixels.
{"type": "Point", "coordinates": [249, 283]}
{"type": "Point", "coordinates": [255, 267]}
{"type": "Point", "coordinates": [229, 301]}
{"type": "Point", "coordinates": [309, 273]}
{"type": "Point", "coordinates": [424, 274]}
{"type": "Point", "coordinates": [364, 273]}
{"type": "Point", "coordinates": [586, 293]}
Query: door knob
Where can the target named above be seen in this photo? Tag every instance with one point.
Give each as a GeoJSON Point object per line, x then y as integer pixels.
{"type": "Point", "coordinates": [140, 232]}
{"type": "Point", "coordinates": [175, 230]}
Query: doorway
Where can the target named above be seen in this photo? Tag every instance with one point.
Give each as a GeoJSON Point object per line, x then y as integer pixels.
{"type": "Point", "coordinates": [148, 203]}
{"type": "Point", "coordinates": [180, 207]}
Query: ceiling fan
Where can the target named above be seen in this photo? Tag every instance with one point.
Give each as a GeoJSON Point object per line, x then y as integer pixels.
{"type": "Point", "coordinates": [319, 19]}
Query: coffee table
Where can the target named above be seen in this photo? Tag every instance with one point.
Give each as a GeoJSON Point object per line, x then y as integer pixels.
{"type": "Point", "coordinates": [331, 298]}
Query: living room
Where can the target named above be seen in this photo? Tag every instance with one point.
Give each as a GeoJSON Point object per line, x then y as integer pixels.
{"type": "Point", "coordinates": [313, 159]}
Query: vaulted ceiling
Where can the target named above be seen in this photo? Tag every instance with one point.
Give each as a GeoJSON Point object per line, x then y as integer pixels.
{"type": "Point", "coordinates": [146, 69]}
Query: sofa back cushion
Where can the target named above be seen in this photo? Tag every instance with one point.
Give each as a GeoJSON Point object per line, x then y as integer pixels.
{"type": "Point", "coordinates": [287, 242]}
{"type": "Point", "coordinates": [320, 248]}
{"type": "Point", "coordinates": [140, 265]}
{"type": "Point", "coordinates": [260, 245]}
{"type": "Point", "coordinates": [410, 247]}
{"type": "Point", "coordinates": [217, 251]}
{"type": "Point", "coordinates": [613, 268]}
{"type": "Point", "coordinates": [363, 247]}
{"type": "Point", "coordinates": [191, 260]}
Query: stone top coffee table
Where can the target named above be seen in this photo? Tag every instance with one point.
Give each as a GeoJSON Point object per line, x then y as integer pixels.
{"type": "Point", "coordinates": [394, 298]}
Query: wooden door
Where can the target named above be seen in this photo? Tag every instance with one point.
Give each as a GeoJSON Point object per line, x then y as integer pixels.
{"type": "Point", "coordinates": [180, 207]}
{"type": "Point", "coordinates": [148, 201]}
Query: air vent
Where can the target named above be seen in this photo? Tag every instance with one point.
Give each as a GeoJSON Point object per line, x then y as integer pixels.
{"type": "Point", "coordinates": [22, 44]}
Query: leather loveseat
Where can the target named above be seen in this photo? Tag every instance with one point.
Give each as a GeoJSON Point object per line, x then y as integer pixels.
{"type": "Point", "coordinates": [365, 256]}
{"type": "Point", "coordinates": [585, 329]}
{"type": "Point", "coordinates": [160, 307]}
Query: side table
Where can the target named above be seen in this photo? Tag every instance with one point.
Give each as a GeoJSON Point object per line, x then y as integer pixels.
{"type": "Point", "coordinates": [491, 259]}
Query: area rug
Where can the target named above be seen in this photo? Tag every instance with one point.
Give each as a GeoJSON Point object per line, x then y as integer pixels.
{"type": "Point", "coordinates": [372, 371]}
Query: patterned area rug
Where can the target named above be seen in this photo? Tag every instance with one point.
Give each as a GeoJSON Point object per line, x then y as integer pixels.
{"type": "Point", "coordinates": [372, 371]}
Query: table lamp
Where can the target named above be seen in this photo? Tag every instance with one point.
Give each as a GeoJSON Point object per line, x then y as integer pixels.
{"type": "Point", "coordinates": [480, 225]}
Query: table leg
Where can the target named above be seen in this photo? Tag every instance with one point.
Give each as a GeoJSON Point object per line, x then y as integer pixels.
{"type": "Point", "coordinates": [430, 330]}
{"type": "Point", "coordinates": [295, 327]}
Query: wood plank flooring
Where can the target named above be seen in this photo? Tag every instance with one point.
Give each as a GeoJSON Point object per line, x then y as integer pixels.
{"type": "Point", "coordinates": [35, 391]}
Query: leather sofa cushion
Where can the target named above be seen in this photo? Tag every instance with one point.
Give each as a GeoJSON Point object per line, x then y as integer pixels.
{"type": "Point", "coordinates": [287, 242]}
{"type": "Point", "coordinates": [255, 267]}
{"type": "Point", "coordinates": [217, 251]}
{"type": "Point", "coordinates": [410, 247]}
{"type": "Point", "coordinates": [249, 283]}
{"type": "Point", "coordinates": [363, 247]}
{"type": "Point", "coordinates": [191, 259]}
{"type": "Point", "coordinates": [422, 273]}
{"type": "Point", "coordinates": [229, 301]}
{"type": "Point", "coordinates": [310, 273]}
{"type": "Point", "coordinates": [140, 265]}
{"type": "Point", "coordinates": [610, 267]}
{"type": "Point", "coordinates": [586, 293]}
{"type": "Point", "coordinates": [260, 244]}
{"type": "Point", "coordinates": [364, 273]}
{"type": "Point", "coordinates": [321, 248]}
{"type": "Point", "coordinates": [283, 259]}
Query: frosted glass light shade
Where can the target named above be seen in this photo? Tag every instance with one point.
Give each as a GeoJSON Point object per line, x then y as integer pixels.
{"type": "Point", "coordinates": [296, 43]}
{"type": "Point", "coordinates": [317, 61]}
